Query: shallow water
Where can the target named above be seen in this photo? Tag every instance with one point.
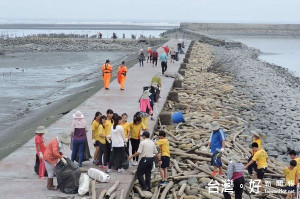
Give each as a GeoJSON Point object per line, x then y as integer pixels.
{"type": "Point", "coordinates": [33, 80]}
{"type": "Point", "coordinates": [281, 51]}
{"type": "Point", "coordinates": [4, 33]}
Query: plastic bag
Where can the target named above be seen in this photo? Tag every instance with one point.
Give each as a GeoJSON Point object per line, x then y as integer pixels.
{"type": "Point", "coordinates": [98, 175]}
{"type": "Point", "coordinates": [37, 166]}
{"type": "Point", "coordinates": [84, 184]}
{"type": "Point", "coordinates": [67, 177]}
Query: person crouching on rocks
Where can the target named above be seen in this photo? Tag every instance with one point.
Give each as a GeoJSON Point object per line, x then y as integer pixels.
{"type": "Point", "coordinates": [257, 135]}
{"type": "Point", "coordinates": [235, 173]}
{"type": "Point", "coordinates": [217, 145]}
{"type": "Point", "coordinates": [40, 146]}
{"type": "Point", "coordinates": [53, 155]}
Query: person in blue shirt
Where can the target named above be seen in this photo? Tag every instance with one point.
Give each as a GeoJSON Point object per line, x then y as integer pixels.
{"type": "Point", "coordinates": [163, 58]}
{"type": "Point", "coordinates": [217, 145]}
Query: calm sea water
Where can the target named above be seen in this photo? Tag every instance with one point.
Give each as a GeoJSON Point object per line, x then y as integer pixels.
{"type": "Point", "coordinates": [4, 33]}
{"type": "Point", "coordinates": [284, 52]}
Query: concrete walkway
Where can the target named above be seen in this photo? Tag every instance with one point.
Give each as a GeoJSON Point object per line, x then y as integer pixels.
{"type": "Point", "coordinates": [17, 177]}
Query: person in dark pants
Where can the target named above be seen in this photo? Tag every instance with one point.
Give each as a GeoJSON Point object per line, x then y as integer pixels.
{"type": "Point", "coordinates": [163, 57]}
{"type": "Point", "coordinates": [145, 152]}
{"type": "Point", "coordinates": [117, 143]}
{"type": "Point", "coordinates": [235, 173]}
{"type": "Point", "coordinates": [154, 57]}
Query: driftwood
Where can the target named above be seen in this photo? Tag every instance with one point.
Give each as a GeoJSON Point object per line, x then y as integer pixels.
{"type": "Point", "coordinates": [139, 191]}
{"type": "Point", "coordinates": [181, 190]}
{"type": "Point", "coordinates": [113, 188]}
{"type": "Point", "coordinates": [102, 194]}
{"type": "Point", "coordinates": [113, 196]}
{"type": "Point", "coordinates": [166, 189]}
{"type": "Point", "coordinates": [122, 194]}
{"type": "Point", "coordinates": [93, 185]}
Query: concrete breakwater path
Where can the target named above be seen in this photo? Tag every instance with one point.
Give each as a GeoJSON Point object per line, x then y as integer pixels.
{"type": "Point", "coordinates": [17, 177]}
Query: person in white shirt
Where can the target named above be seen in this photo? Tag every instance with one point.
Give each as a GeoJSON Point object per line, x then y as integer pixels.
{"type": "Point", "coordinates": [146, 151]}
{"type": "Point", "coordinates": [117, 143]}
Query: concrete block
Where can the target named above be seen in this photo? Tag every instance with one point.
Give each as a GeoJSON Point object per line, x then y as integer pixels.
{"type": "Point", "coordinates": [173, 96]}
{"type": "Point", "coordinates": [165, 118]}
{"type": "Point", "coordinates": [185, 60]}
{"type": "Point", "coordinates": [181, 72]}
{"type": "Point", "coordinates": [187, 55]}
{"type": "Point", "coordinates": [177, 83]}
{"type": "Point", "coordinates": [183, 66]}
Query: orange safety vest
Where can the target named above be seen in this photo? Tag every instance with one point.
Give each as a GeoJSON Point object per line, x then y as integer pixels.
{"type": "Point", "coordinates": [106, 68]}
{"type": "Point", "coordinates": [121, 71]}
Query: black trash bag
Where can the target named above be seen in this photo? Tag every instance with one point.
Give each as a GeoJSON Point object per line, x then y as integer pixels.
{"type": "Point", "coordinates": [37, 166]}
{"type": "Point", "coordinates": [125, 161]}
{"type": "Point", "coordinates": [86, 152]}
{"type": "Point", "coordinates": [67, 177]}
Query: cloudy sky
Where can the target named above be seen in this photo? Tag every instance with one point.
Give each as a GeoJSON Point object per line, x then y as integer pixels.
{"type": "Point", "coordinates": [258, 11]}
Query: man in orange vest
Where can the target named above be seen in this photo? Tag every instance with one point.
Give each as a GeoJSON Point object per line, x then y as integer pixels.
{"type": "Point", "coordinates": [106, 73]}
{"type": "Point", "coordinates": [122, 70]}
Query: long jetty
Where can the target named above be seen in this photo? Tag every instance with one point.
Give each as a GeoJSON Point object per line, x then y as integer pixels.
{"type": "Point", "coordinates": [17, 176]}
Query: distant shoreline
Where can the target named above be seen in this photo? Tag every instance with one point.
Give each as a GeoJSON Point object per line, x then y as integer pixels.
{"type": "Point", "coordinates": [85, 26]}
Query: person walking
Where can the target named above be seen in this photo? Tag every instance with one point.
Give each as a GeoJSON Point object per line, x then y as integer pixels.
{"type": "Point", "coordinates": [106, 73]}
{"type": "Point", "coordinates": [107, 127]}
{"type": "Point", "coordinates": [79, 138]}
{"type": "Point", "coordinates": [122, 71]}
{"type": "Point", "coordinates": [154, 57]}
{"type": "Point", "coordinates": [156, 79]}
{"type": "Point", "coordinates": [95, 136]}
{"type": "Point", "coordinates": [102, 143]}
{"type": "Point", "coordinates": [135, 128]}
{"type": "Point", "coordinates": [235, 174]}
{"type": "Point", "coordinates": [149, 54]}
{"type": "Point", "coordinates": [146, 151]}
{"type": "Point", "coordinates": [117, 143]}
{"type": "Point", "coordinates": [257, 135]}
{"type": "Point", "coordinates": [173, 55]}
{"type": "Point", "coordinates": [260, 157]}
{"type": "Point", "coordinates": [164, 162]}
{"type": "Point", "coordinates": [40, 147]}
{"type": "Point", "coordinates": [53, 154]}
{"type": "Point", "coordinates": [125, 126]}
{"type": "Point", "coordinates": [166, 49]}
{"type": "Point", "coordinates": [217, 145]}
{"type": "Point", "coordinates": [163, 58]}
{"type": "Point", "coordinates": [145, 107]}
{"type": "Point", "coordinates": [141, 57]}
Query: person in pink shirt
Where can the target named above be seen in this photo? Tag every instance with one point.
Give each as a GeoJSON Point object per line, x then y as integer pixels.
{"type": "Point", "coordinates": [40, 146]}
{"type": "Point", "coordinates": [145, 107]}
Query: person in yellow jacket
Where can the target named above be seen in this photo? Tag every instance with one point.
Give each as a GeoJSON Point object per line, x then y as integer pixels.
{"type": "Point", "coordinates": [106, 73]}
{"type": "Point", "coordinates": [135, 128]}
{"type": "Point", "coordinates": [164, 161]}
{"type": "Point", "coordinates": [290, 173]}
{"type": "Point", "coordinates": [107, 127]}
{"type": "Point", "coordinates": [125, 126]}
{"type": "Point", "coordinates": [101, 137]}
{"type": "Point", "coordinates": [293, 155]}
{"type": "Point", "coordinates": [95, 126]}
{"type": "Point", "coordinates": [257, 138]}
{"type": "Point", "coordinates": [122, 71]}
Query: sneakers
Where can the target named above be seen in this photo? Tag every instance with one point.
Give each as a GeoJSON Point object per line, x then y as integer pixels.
{"type": "Point", "coordinates": [101, 166]}
{"type": "Point", "coordinates": [163, 182]}
{"type": "Point", "coordinates": [221, 173]}
{"type": "Point", "coordinates": [95, 162]}
{"type": "Point", "coordinates": [105, 167]}
{"type": "Point", "coordinates": [108, 171]}
{"type": "Point", "coordinates": [135, 163]}
{"type": "Point", "coordinates": [214, 173]}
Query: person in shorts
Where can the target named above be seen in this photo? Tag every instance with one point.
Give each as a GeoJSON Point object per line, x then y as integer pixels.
{"type": "Point", "coordinates": [164, 161]}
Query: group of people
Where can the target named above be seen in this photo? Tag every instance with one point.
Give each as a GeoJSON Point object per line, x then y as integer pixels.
{"type": "Point", "coordinates": [257, 162]}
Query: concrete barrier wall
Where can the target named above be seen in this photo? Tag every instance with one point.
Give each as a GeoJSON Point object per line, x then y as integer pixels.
{"type": "Point", "coordinates": [245, 29]}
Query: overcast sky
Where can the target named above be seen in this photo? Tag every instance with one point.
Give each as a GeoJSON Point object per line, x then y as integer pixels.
{"type": "Point", "coordinates": [258, 11]}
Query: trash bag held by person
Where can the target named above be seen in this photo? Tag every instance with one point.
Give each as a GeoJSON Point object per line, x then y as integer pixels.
{"type": "Point", "coordinates": [68, 175]}
{"type": "Point", "coordinates": [53, 155]}
{"type": "Point", "coordinates": [40, 146]}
